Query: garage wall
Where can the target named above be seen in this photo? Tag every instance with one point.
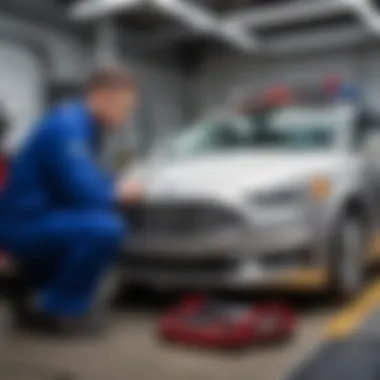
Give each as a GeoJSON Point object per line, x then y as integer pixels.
{"type": "Point", "coordinates": [222, 73]}
{"type": "Point", "coordinates": [21, 87]}
{"type": "Point", "coordinates": [64, 56]}
{"type": "Point", "coordinates": [370, 77]}
{"type": "Point", "coordinates": [159, 111]}
{"type": "Point", "coordinates": [69, 57]}
{"type": "Point", "coordinates": [30, 56]}
{"type": "Point", "coordinates": [160, 108]}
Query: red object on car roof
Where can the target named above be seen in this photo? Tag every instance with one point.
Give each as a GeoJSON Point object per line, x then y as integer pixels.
{"type": "Point", "coordinates": [210, 323]}
{"type": "Point", "coordinates": [278, 96]}
{"type": "Point", "coordinates": [332, 84]}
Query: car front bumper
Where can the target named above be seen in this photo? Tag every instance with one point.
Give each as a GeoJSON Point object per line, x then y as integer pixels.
{"type": "Point", "coordinates": [243, 274]}
{"type": "Point", "coordinates": [235, 242]}
{"type": "Point", "coordinates": [271, 255]}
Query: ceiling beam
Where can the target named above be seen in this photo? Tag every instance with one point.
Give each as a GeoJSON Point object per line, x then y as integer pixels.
{"type": "Point", "coordinates": [316, 40]}
{"type": "Point", "coordinates": [197, 18]}
{"type": "Point", "coordinates": [200, 19]}
{"type": "Point", "coordinates": [92, 9]}
{"type": "Point", "coordinates": [286, 13]}
{"type": "Point", "coordinates": [367, 13]}
{"type": "Point", "coordinates": [191, 15]}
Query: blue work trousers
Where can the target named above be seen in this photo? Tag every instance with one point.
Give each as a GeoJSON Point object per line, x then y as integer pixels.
{"type": "Point", "coordinates": [67, 253]}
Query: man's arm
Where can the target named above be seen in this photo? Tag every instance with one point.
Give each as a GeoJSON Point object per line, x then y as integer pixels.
{"type": "Point", "coordinates": [72, 169]}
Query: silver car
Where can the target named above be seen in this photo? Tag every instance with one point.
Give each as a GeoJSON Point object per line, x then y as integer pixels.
{"type": "Point", "coordinates": [287, 197]}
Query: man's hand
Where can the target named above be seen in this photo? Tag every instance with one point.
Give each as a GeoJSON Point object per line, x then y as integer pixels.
{"type": "Point", "coordinates": [129, 191]}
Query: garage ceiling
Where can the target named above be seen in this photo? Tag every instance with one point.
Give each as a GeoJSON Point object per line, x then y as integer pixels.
{"type": "Point", "coordinates": [64, 3]}
{"type": "Point", "coordinates": [246, 25]}
{"type": "Point", "coordinates": [223, 7]}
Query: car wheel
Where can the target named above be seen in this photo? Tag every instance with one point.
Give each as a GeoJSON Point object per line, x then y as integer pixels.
{"type": "Point", "coordinates": [348, 271]}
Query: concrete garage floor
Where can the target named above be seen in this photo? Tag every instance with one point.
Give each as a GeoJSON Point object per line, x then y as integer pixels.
{"type": "Point", "coordinates": [131, 351]}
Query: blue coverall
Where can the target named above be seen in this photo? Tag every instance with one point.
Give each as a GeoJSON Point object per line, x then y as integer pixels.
{"type": "Point", "coordinates": [57, 211]}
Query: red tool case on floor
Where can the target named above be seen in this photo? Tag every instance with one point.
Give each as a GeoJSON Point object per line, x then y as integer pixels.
{"type": "Point", "coordinates": [3, 170]}
{"type": "Point", "coordinates": [210, 323]}
{"type": "Point", "coordinates": [5, 262]}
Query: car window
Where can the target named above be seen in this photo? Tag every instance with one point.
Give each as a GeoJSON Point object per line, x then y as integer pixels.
{"type": "Point", "coordinates": [289, 128]}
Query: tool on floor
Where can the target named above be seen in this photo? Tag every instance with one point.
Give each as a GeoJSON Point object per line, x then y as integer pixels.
{"type": "Point", "coordinates": [201, 321]}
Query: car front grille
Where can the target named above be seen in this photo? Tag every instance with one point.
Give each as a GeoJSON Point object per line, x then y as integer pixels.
{"type": "Point", "coordinates": [179, 219]}
{"type": "Point", "coordinates": [179, 265]}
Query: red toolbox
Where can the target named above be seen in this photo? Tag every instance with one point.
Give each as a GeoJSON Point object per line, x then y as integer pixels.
{"type": "Point", "coordinates": [3, 170]}
{"type": "Point", "coordinates": [6, 263]}
{"type": "Point", "coordinates": [205, 322]}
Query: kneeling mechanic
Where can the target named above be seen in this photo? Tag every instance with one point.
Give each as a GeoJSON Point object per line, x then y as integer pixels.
{"type": "Point", "coordinates": [58, 212]}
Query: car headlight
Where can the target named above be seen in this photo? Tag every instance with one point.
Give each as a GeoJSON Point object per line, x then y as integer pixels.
{"type": "Point", "coordinates": [320, 188]}
{"type": "Point", "coordinates": [281, 197]}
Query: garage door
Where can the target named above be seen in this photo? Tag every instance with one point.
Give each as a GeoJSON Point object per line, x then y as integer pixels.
{"type": "Point", "coordinates": [21, 89]}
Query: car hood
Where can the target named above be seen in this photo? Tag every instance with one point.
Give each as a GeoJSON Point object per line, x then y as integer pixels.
{"type": "Point", "coordinates": [230, 174]}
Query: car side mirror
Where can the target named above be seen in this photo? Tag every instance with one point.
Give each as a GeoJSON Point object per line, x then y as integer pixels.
{"type": "Point", "coordinates": [371, 146]}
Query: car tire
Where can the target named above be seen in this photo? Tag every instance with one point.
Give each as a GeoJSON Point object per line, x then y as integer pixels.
{"type": "Point", "coordinates": [347, 270]}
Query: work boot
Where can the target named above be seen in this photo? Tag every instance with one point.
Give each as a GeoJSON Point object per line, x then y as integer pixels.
{"type": "Point", "coordinates": [32, 318]}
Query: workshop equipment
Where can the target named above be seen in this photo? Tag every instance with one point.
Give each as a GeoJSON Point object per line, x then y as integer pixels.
{"type": "Point", "coordinates": [212, 323]}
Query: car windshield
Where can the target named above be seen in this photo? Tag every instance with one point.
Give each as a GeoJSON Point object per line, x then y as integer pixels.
{"type": "Point", "coordinates": [290, 128]}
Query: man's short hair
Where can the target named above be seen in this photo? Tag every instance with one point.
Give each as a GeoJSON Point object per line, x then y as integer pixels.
{"type": "Point", "coordinates": [110, 78]}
